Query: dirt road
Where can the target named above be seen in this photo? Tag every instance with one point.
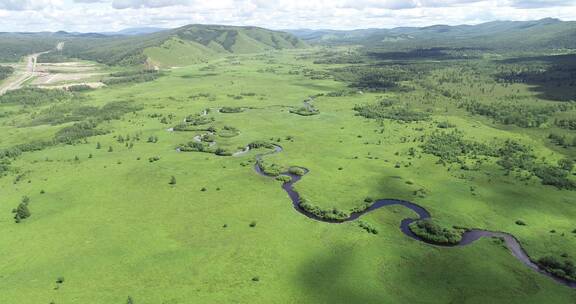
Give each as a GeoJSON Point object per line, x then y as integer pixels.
{"type": "Point", "coordinates": [21, 75]}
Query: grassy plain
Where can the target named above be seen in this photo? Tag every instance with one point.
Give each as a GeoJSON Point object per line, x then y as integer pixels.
{"type": "Point", "coordinates": [113, 227]}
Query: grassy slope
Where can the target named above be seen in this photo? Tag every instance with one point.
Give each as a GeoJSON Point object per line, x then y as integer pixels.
{"type": "Point", "coordinates": [176, 52]}
{"type": "Point", "coordinates": [200, 42]}
{"type": "Point", "coordinates": [113, 227]}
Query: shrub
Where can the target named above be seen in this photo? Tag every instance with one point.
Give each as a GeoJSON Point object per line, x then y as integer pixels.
{"type": "Point", "coordinates": [327, 214]}
{"type": "Point", "coordinates": [520, 223]}
{"type": "Point", "coordinates": [433, 232]}
{"type": "Point", "coordinates": [79, 88]}
{"type": "Point", "coordinates": [222, 152]}
{"type": "Point", "coordinates": [564, 269]}
{"type": "Point", "coordinates": [253, 224]}
{"type": "Point", "coordinates": [284, 178]}
{"type": "Point", "coordinates": [297, 171]}
{"type": "Point", "coordinates": [445, 125]}
{"type": "Point", "coordinates": [231, 110]}
{"type": "Point", "coordinates": [366, 226]}
{"type": "Point", "coordinates": [260, 144]}
{"type": "Point", "coordinates": [22, 212]}
{"type": "Point", "coordinates": [270, 169]}
{"type": "Point", "coordinates": [305, 111]}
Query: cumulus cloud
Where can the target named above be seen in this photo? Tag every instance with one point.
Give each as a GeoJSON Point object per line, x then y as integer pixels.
{"type": "Point", "coordinates": [20, 5]}
{"type": "Point", "coordinates": [110, 15]}
{"type": "Point", "coordinates": [122, 4]}
{"type": "Point", "coordinates": [529, 4]}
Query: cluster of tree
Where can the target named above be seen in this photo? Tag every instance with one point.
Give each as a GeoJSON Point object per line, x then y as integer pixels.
{"type": "Point", "coordinates": [515, 156]}
{"type": "Point", "coordinates": [307, 110]}
{"type": "Point", "coordinates": [228, 131]}
{"type": "Point", "coordinates": [115, 110]}
{"type": "Point", "coordinates": [435, 53]}
{"type": "Point", "coordinates": [72, 111]}
{"type": "Point", "coordinates": [569, 124]}
{"type": "Point", "coordinates": [271, 169]}
{"type": "Point", "coordinates": [260, 144]}
{"type": "Point", "coordinates": [284, 178]}
{"type": "Point", "coordinates": [445, 125]}
{"type": "Point", "coordinates": [135, 76]}
{"type": "Point", "coordinates": [433, 232]}
{"type": "Point", "coordinates": [335, 57]}
{"type": "Point", "coordinates": [17, 150]}
{"type": "Point", "coordinates": [194, 146]}
{"type": "Point", "coordinates": [34, 96]}
{"type": "Point", "coordinates": [332, 214]}
{"type": "Point", "coordinates": [562, 140]}
{"type": "Point", "coordinates": [231, 109]}
{"type": "Point", "coordinates": [371, 78]}
{"type": "Point", "coordinates": [52, 57]}
{"type": "Point", "coordinates": [5, 71]}
{"type": "Point", "coordinates": [341, 93]}
{"type": "Point", "coordinates": [77, 131]}
{"type": "Point", "coordinates": [208, 137]}
{"type": "Point", "coordinates": [297, 171]}
{"type": "Point", "coordinates": [204, 147]}
{"type": "Point", "coordinates": [563, 269]}
{"type": "Point", "coordinates": [197, 120]}
{"type": "Point", "coordinates": [315, 74]}
{"type": "Point", "coordinates": [451, 146]}
{"type": "Point", "coordinates": [200, 95]}
{"type": "Point", "coordinates": [79, 88]}
{"type": "Point", "coordinates": [22, 212]}
{"type": "Point", "coordinates": [14, 46]}
{"type": "Point", "coordinates": [554, 76]}
{"type": "Point", "coordinates": [384, 110]}
{"type": "Point", "coordinates": [522, 115]}
{"type": "Point", "coordinates": [367, 226]}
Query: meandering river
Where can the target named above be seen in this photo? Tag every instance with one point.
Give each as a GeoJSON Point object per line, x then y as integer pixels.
{"type": "Point", "coordinates": [469, 237]}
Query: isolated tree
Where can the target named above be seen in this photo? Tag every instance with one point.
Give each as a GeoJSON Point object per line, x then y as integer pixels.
{"type": "Point", "coordinates": [98, 146]}
{"type": "Point", "coordinates": [110, 149]}
{"type": "Point", "coordinates": [130, 301]}
{"type": "Point", "coordinates": [22, 212]}
{"type": "Point", "coordinates": [172, 180]}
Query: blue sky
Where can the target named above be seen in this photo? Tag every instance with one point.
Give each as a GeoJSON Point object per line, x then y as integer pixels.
{"type": "Point", "coordinates": [111, 15]}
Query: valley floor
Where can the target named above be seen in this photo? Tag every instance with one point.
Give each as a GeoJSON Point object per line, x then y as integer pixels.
{"type": "Point", "coordinates": [110, 223]}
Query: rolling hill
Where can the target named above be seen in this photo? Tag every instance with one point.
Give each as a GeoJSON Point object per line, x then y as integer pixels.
{"type": "Point", "coordinates": [185, 45]}
{"type": "Point", "coordinates": [177, 47]}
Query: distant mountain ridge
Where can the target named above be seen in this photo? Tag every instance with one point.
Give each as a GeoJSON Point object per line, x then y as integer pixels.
{"type": "Point", "coordinates": [544, 33]}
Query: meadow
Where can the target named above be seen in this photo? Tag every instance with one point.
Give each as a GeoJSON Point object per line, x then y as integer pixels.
{"type": "Point", "coordinates": [117, 212]}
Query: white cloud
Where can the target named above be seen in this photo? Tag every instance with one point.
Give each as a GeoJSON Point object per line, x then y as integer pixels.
{"type": "Point", "coordinates": [122, 4]}
{"type": "Point", "coordinates": [542, 3]}
{"type": "Point", "coordinates": [20, 5]}
{"type": "Point", "coordinates": [110, 15]}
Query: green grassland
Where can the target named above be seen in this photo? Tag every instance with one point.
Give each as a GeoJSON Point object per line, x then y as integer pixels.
{"type": "Point", "coordinates": [108, 221]}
